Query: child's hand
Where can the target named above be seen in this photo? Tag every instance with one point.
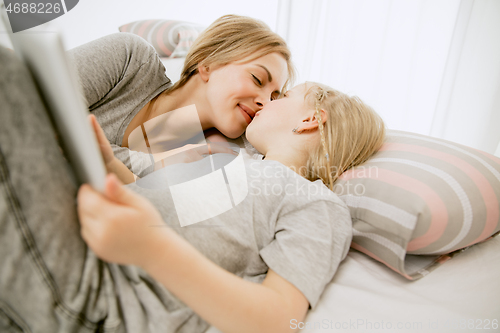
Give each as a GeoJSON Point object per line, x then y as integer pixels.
{"type": "Point", "coordinates": [104, 145]}
{"type": "Point", "coordinates": [120, 226]}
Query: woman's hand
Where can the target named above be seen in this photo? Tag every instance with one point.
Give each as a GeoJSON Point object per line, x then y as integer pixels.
{"type": "Point", "coordinates": [112, 164]}
{"type": "Point", "coordinates": [120, 226]}
{"type": "Point", "coordinates": [104, 145]}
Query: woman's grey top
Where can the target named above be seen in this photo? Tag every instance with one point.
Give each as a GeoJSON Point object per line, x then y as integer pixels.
{"type": "Point", "coordinates": [120, 74]}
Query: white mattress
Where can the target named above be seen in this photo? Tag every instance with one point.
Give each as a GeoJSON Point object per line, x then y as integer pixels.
{"type": "Point", "coordinates": [461, 295]}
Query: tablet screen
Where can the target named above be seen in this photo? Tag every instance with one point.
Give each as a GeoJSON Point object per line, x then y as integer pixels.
{"type": "Point", "coordinates": [45, 57]}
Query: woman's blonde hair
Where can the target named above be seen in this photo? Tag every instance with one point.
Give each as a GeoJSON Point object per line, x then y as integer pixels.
{"type": "Point", "coordinates": [352, 133]}
{"type": "Point", "coordinates": [231, 38]}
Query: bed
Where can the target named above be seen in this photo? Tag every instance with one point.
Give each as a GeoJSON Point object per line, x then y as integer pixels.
{"type": "Point", "coordinates": [365, 296]}
{"type": "Point", "coordinates": [462, 295]}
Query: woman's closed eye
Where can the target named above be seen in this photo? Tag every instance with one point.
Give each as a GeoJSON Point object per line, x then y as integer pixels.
{"type": "Point", "coordinates": [259, 83]}
{"type": "Point", "coordinates": [257, 80]}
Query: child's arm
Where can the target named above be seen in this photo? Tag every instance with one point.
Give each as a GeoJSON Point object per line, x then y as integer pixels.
{"type": "Point", "coordinates": [223, 299]}
{"type": "Point", "coordinates": [117, 228]}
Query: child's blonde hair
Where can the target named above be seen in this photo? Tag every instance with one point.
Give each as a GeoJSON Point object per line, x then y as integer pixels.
{"type": "Point", "coordinates": [352, 133]}
{"type": "Point", "coordinates": [231, 38]}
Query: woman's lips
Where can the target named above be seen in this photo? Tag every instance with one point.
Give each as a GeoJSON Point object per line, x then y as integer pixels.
{"type": "Point", "coordinates": [246, 114]}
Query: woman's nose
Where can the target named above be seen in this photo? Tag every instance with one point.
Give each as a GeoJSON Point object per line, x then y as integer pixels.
{"type": "Point", "coordinates": [262, 99]}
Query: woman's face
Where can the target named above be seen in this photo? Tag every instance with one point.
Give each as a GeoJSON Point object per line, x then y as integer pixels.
{"type": "Point", "coordinates": [235, 92]}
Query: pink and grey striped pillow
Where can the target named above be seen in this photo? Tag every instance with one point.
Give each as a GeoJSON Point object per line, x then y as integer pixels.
{"type": "Point", "coordinates": [419, 200]}
{"type": "Point", "coordinates": [170, 38]}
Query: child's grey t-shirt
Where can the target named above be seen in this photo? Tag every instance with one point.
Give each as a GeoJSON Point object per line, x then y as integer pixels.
{"type": "Point", "coordinates": [299, 229]}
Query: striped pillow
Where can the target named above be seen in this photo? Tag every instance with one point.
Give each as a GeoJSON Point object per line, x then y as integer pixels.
{"type": "Point", "coordinates": [169, 38]}
{"type": "Point", "coordinates": [419, 200]}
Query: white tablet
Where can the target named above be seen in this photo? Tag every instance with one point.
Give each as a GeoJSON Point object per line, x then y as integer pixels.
{"type": "Point", "coordinates": [45, 57]}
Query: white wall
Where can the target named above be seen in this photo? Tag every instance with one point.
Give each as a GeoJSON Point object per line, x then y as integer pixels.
{"type": "Point", "coordinates": [473, 116]}
{"type": "Point", "coordinates": [431, 67]}
{"type": "Point", "coordinates": [390, 53]}
{"type": "Point", "coordinates": [92, 19]}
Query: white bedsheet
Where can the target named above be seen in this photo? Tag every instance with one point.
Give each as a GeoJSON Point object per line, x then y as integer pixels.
{"type": "Point", "coordinates": [462, 295]}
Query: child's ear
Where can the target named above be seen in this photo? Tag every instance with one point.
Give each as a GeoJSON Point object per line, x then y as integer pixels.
{"type": "Point", "coordinates": [323, 115]}
{"type": "Point", "coordinates": [310, 123]}
{"type": "Point", "coordinates": [204, 72]}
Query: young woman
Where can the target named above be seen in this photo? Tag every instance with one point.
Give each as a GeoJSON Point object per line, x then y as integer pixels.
{"type": "Point", "coordinates": [259, 266]}
{"type": "Point", "coordinates": [233, 69]}
{"type": "Point", "coordinates": [50, 280]}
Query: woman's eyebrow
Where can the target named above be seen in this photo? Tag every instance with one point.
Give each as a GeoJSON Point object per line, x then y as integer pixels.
{"type": "Point", "coordinates": [269, 76]}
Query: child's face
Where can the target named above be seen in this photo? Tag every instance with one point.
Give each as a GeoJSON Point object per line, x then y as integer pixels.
{"type": "Point", "coordinates": [278, 118]}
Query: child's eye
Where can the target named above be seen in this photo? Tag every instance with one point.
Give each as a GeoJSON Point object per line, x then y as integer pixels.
{"type": "Point", "coordinates": [259, 82]}
{"type": "Point", "coordinates": [275, 95]}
